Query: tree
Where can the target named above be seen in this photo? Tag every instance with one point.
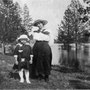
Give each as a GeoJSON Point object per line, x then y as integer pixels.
{"type": "Point", "coordinates": [12, 22]}
{"type": "Point", "coordinates": [70, 29]}
{"type": "Point", "coordinates": [72, 26]}
{"type": "Point", "coordinates": [3, 14]}
{"type": "Point", "coordinates": [27, 20]}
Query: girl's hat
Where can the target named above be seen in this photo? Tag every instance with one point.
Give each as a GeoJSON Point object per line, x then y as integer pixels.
{"type": "Point", "coordinates": [23, 37]}
{"type": "Point", "coordinates": [44, 22]}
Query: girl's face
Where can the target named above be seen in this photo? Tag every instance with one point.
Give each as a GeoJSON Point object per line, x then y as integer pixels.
{"type": "Point", "coordinates": [23, 41]}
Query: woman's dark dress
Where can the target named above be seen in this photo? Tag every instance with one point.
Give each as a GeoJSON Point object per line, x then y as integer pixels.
{"type": "Point", "coordinates": [42, 59]}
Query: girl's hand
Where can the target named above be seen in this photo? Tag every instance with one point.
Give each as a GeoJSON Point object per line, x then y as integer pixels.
{"type": "Point", "coordinates": [31, 56]}
{"type": "Point", "coordinates": [16, 62]}
{"type": "Point", "coordinates": [30, 61]}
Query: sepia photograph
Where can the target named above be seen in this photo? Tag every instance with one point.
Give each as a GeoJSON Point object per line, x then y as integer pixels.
{"type": "Point", "coordinates": [44, 44]}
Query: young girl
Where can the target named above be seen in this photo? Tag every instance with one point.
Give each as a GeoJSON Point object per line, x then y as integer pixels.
{"type": "Point", "coordinates": [23, 57]}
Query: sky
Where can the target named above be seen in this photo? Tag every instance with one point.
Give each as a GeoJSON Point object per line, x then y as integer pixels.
{"type": "Point", "coordinates": [50, 10]}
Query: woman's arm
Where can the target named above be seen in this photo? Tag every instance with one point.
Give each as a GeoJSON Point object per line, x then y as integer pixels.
{"type": "Point", "coordinates": [46, 32]}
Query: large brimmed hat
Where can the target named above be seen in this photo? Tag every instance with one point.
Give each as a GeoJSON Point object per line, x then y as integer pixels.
{"type": "Point", "coordinates": [44, 22]}
{"type": "Point", "coordinates": [23, 37]}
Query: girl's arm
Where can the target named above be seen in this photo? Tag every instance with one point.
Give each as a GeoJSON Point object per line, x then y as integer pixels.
{"type": "Point", "coordinates": [16, 54]}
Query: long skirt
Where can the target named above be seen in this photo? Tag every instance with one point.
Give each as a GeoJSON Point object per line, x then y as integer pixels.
{"type": "Point", "coordinates": [42, 58]}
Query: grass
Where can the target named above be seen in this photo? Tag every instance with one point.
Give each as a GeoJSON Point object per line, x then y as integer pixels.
{"type": "Point", "coordinates": [59, 79]}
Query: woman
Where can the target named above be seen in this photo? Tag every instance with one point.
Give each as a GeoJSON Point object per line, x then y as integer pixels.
{"type": "Point", "coordinates": [41, 51]}
{"type": "Point", "coordinates": [23, 57]}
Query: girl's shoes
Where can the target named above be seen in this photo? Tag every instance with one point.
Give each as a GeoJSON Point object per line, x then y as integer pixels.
{"type": "Point", "coordinates": [28, 82]}
{"type": "Point", "coordinates": [22, 81]}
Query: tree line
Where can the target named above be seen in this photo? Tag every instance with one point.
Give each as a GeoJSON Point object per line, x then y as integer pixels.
{"type": "Point", "coordinates": [75, 26]}
{"type": "Point", "coordinates": [13, 20]}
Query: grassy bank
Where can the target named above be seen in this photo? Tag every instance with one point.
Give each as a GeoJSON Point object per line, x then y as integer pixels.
{"type": "Point", "coordinates": [59, 79]}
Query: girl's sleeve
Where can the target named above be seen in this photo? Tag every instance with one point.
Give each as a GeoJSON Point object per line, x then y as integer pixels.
{"type": "Point", "coordinates": [16, 50]}
{"type": "Point", "coordinates": [31, 51]}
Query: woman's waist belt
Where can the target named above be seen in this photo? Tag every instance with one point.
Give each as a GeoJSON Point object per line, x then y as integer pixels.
{"type": "Point", "coordinates": [41, 41]}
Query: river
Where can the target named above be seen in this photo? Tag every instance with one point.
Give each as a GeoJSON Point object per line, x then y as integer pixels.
{"type": "Point", "coordinates": [63, 56]}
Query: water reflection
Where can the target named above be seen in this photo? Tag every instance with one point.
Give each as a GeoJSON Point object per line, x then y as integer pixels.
{"type": "Point", "coordinates": [77, 84]}
{"type": "Point", "coordinates": [56, 51]}
{"type": "Point", "coordinates": [63, 56]}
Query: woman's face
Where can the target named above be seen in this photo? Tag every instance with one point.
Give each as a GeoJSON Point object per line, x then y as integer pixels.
{"type": "Point", "coordinates": [40, 25]}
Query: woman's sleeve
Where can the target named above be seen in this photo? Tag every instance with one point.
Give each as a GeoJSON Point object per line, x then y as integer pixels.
{"type": "Point", "coordinates": [46, 32]}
